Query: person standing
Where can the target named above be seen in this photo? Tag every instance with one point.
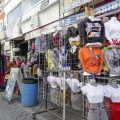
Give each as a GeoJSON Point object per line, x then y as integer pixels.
{"type": "Point", "coordinates": [18, 62]}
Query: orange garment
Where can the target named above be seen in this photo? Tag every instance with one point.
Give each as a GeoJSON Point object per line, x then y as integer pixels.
{"type": "Point", "coordinates": [91, 61]}
{"type": "Point", "coordinates": [8, 66]}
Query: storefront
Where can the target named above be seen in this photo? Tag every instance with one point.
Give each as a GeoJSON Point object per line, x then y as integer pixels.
{"type": "Point", "coordinates": [77, 58]}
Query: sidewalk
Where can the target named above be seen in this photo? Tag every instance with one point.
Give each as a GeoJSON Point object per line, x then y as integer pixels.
{"type": "Point", "coordinates": [15, 111]}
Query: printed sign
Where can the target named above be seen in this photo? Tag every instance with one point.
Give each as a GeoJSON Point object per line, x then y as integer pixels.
{"type": "Point", "coordinates": [15, 76]}
{"type": "Point", "coordinates": [67, 5]}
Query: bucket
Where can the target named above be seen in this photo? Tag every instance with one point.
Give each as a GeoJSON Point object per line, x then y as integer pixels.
{"type": "Point", "coordinates": [29, 94]}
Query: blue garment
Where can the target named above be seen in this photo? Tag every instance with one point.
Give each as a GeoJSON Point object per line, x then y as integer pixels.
{"type": "Point", "coordinates": [40, 44]}
{"type": "Point", "coordinates": [63, 58]}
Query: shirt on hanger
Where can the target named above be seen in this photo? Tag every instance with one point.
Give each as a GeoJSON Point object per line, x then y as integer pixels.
{"type": "Point", "coordinates": [50, 60]}
{"type": "Point", "coordinates": [52, 82]}
{"type": "Point", "coordinates": [73, 84]}
{"type": "Point", "coordinates": [113, 93]}
{"type": "Point", "coordinates": [60, 82]}
{"type": "Point", "coordinates": [95, 94]}
{"type": "Point", "coordinates": [40, 44]}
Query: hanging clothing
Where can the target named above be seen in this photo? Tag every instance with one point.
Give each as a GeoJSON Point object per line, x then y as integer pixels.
{"type": "Point", "coordinates": [95, 94]}
{"type": "Point", "coordinates": [56, 58]}
{"type": "Point", "coordinates": [97, 112]}
{"type": "Point", "coordinates": [92, 62]}
{"type": "Point", "coordinates": [52, 82]}
{"type": "Point", "coordinates": [50, 60]}
{"type": "Point", "coordinates": [73, 59]}
{"type": "Point", "coordinates": [72, 32]}
{"type": "Point", "coordinates": [112, 31]}
{"type": "Point", "coordinates": [60, 83]}
{"type": "Point", "coordinates": [116, 111]}
{"type": "Point", "coordinates": [33, 46]}
{"type": "Point", "coordinates": [73, 84]}
{"type": "Point", "coordinates": [63, 53]}
{"type": "Point", "coordinates": [112, 59]}
{"type": "Point", "coordinates": [40, 44]}
{"type": "Point", "coordinates": [91, 31]}
{"type": "Point", "coordinates": [49, 41]}
{"type": "Point", "coordinates": [114, 95]}
{"type": "Point", "coordinates": [57, 39]}
{"type": "Point", "coordinates": [65, 39]}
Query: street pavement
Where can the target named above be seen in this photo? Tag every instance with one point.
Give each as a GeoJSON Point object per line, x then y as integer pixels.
{"type": "Point", "coordinates": [15, 111]}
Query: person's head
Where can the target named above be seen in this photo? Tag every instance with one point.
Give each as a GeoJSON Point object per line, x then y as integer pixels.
{"type": "Point", "coordinates": [25, 61]}
{"type": "Point", "coordinates": [17, 58]}
{"type": "Point", "coordinates": [13, 62]}
{"type": "Point", "coordinates": [8, 58]}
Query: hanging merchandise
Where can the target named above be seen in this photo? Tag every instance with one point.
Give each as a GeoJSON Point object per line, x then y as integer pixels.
{"type": "Point", "coordinates": [112, 59]}
{"type": "Point", "coordinates": [73, 84]}
{"type": "Point", "coordinates": [119, 17]}
{"type": "Point", "coordinates": [49, 40]}
{"type": "Point", "coordinates": [73, 35]}
{"type": "Point", "coordinates": [65, 41]}
{"type": "Point", "coordinates": [112, 31]}
{"type": "Point", "coordinates": [63, 53]}
{"type": "Point", "coordinates": [91, 30]}
{"type": "Point", "coordinates": [33, 45]}
{"type": "Point", "coordinates": [50, 59]}
{"type": "Point", "coordinates": [112, 92]}
{"type": "Point", "coordinates": [73, 58]}
{"type": "Point", "coordinates": [57, 39]}
{"type": "Point", "coordinates": [40, 44]}
{"type": "Point", "coordinates": [92, 61]}
{"type": "Point", "coordinates": [95, 95]}
{"type": "Point", "coordinates": [56, 57]}
{"type": "Point", "coordinates": [60, 83]}
{"type": "Point", "coordinates": [52, 82]}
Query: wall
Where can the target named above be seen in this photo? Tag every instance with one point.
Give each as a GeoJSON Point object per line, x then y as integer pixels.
{"type": "Point", "coordinates": [48, 15]}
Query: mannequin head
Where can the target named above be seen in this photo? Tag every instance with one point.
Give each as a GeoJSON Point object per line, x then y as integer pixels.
{"type": "Point", "coordinates": [71, 76]}
{"type": "Point", "coordinates": [114, 18]}
{"type": "Point", "coordinates": [113, 83]}
{"type": "Point", "coordinates": [93, 82]}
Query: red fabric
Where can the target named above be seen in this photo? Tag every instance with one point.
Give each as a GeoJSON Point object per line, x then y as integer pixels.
{"type": "Point", "coordinates": [33, 46]}
{"type": "Point", "coordinates": [116, 111]}
{"type": "Point", "coordinates": [119, 18]}
{"type": "Point", "coordinates": [1, 80]}
{"type": "Point", "coordinates": [57, 40]}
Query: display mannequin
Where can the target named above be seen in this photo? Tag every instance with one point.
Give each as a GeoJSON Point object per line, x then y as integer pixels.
{"type": "Point", "coordinates": [95, 95]}
{"type": "Point", "coordinates": [112, 91]}
{"type": "Point", "coordinates": [114, 84]}
{"type": "Point", "coordinates": [93, 82]}
{"type": "Point", "coordinates": [112, 59]}
{"type": "Point", "coordinates": [91, 30]}
{"type": "Point", "coordinates": [112, 31]}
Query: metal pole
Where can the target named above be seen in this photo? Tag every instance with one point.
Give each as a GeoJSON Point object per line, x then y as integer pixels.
{"type": "Point", "coordinates": [64, 96]}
